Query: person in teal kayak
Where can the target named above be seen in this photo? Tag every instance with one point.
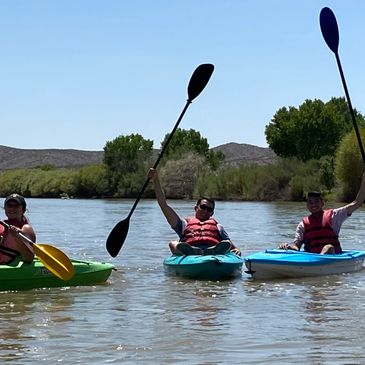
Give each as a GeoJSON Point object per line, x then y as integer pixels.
{"type": "Point", "coordinates": [320, 230]}
{"type": "Point", "coordinates": [11, 244]}
{"type": "Point", "coordinates": [198, 235]}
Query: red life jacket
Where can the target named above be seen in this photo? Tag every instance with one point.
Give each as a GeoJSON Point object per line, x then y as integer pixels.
{"type": "Point", "coordinates": [8, 245]}
{"type": "Point", "coordinates": [318, 232]}
{"type": "Point", "coordinates": [197, 232]}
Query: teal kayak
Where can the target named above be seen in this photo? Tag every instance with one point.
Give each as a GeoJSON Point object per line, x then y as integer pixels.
{"type": "Point", "coordinates": [204, 267]}
{"type": "Point", "coordinates": [20, 275]}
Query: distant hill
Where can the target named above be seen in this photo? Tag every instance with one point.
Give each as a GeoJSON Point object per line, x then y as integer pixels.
{"type": "Point", "coordinates": [246, 154]}
{"type": "Point", "coordinates": [16, 158]}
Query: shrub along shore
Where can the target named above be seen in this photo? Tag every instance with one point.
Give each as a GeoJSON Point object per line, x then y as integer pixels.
{"type": "Point", "coordinates": [187, 178]}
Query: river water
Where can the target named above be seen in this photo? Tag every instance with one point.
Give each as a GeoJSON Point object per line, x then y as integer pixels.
{"type": "Point", "coordinates": [142, 316]}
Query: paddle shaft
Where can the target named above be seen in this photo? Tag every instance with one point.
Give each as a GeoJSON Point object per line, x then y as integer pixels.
{"type": "Point", "coordinates": [350, 107]}
{"type": "Point", "coordinates": [52, 258]}
{"type": "Point", "coordinates": [25, 238]}
{"type": "Point", "coordinates": [188, 102]}
{"type": "Point", "coordinates": [330, 34]}
{"type": "Point", "coordinates": [197, 83]}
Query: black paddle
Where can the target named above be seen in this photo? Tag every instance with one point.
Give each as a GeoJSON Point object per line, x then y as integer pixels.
{"type": "Point", "coordinates": [197, 83]}
{"type": "Point", "coordinates": [330, 34]}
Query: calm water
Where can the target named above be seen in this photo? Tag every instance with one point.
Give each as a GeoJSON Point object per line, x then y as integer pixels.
{"type": "Point", "coordinates": [143, 317]}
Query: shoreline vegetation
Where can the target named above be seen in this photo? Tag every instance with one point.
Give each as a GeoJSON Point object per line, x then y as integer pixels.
{"type": "Point", "coordinates": [312, 147]}
{"type": "Point", "coordinates": [188, 177]}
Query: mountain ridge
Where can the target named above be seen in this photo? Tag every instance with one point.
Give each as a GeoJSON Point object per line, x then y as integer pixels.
{"type": "Point", "coordinates": [17, 158]}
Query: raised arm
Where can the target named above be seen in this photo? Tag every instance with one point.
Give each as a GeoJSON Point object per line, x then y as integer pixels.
{"type": "Point", "coordinates": [359, 197]}
{"type": "Point", "coordinates": [170, 215]}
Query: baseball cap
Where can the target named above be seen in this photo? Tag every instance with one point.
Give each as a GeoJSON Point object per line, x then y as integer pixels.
{"type": "Point", "coordinates": [18, 198]}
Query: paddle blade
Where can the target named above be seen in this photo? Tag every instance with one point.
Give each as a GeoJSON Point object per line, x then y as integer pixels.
{"type": "Point", "coordinates": [117, 237]}
{"type": "Point", "coordinates": [329, 29]}
{"type": "Point", "coordinates": [55, 261]}
{"type": "Point", "coordinates": [199, 80]}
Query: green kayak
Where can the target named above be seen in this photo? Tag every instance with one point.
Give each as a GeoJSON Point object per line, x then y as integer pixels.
{"type": "Point", "coordinates": [20, 275]}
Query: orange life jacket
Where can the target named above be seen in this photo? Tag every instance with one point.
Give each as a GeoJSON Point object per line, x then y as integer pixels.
{"type": "Point", "coordinates": [197, 232]}
{"type": "Point", "coordinates": [8, 244]}
{"type": "Point", "coordinates": [318, 232]}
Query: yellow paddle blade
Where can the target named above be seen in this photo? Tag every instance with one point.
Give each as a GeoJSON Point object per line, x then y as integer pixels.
{"type": "Point", "coordinates": [54, 260]}
{"type": "Point", "coordinates": [51, 257]}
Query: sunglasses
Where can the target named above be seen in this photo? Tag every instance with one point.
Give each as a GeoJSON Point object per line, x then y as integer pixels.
{"type": "Point", "coordinates": [205, 207]}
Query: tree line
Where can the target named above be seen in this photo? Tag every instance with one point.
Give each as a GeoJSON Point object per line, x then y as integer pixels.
{"type": "Point", "coordinates": [315, 143]}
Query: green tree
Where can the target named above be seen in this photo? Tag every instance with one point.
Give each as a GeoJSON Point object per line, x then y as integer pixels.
{"type": "Point", "coordinates": [190, 141]}
{"type": "Point", "coordinates": [326, 172]}
{"type": "Point", "coordinates": [185, 141]}
{"type": "Point", "coordinates": [126, 158]}
{"type": "Point", "coordinates": [313, 130]}
{"type": "Point", "coordinates": [349, 165]}
{"type": "Point", "coordinates": [281, 132]}
{"type": "Point", "coordinates": [92, 181]}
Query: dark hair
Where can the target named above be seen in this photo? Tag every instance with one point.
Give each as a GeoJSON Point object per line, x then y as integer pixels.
{"type": "Point", "coordinates": [314, 194]}
{"type": "Point", "coordinates": [207, 199]}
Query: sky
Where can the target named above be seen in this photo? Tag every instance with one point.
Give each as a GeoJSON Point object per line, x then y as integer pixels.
{"type": "Point", "coordinates": [78, 73]}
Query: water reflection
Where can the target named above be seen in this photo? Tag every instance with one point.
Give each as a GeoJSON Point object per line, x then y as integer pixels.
{"type": "Point", "coordinates": [26, 317]}
{"type": "Point", "coordinates": [322, 304]}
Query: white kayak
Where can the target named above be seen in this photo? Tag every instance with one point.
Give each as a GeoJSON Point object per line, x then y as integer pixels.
{"type": "Point", "coordinates": [276, 264]}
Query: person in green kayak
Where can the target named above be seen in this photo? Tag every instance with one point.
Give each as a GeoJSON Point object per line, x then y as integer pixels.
{"type": "Point", "coordinates": [198, 235]}
{"type": "Point", "coordinates": [319, 231]}
{"type": "Point", "coordinates": [11, 244]}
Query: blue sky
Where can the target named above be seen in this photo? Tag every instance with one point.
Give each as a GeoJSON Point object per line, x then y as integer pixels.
{"type": "Point", "coordinates": [78, 73]}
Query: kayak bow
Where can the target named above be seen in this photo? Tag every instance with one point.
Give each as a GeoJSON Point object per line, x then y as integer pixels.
{"type": "Point", "coordinates": [20, 275]}
{"type": "Point", "coordinates": [273, 264]}
{"type": "Point", "coordinates": [204, 267]}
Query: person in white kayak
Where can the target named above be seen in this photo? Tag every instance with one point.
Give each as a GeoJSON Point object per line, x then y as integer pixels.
{"type": "Point", "coordinates": [320, 230]}
{"type": "Point", "coordinates": [198, 235]}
